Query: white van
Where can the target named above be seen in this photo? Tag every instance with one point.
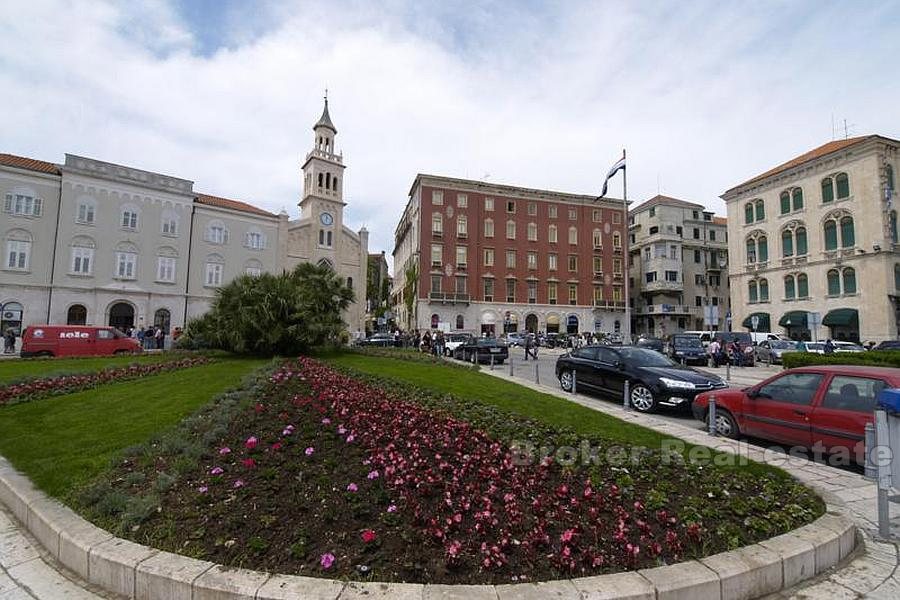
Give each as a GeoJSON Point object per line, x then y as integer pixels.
{"type": "Point", "coordinates": [762, 336]}
{"type": "Point", "coordinates": [705, 336]}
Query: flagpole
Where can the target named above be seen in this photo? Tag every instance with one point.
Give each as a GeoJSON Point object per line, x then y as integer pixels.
{"type": "Point", "coordinates": [627, 337]}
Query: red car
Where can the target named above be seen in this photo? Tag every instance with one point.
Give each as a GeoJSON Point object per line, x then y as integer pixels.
{"type": "Point", "coordinates": [76, 340]}
{"type": "Point", "coordinates": [822, 408]}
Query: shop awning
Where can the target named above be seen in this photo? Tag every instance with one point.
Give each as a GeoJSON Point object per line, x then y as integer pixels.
{"type": "Point", "coordinates": [764, 323]}
{"type": "Point", "coordinates": [841, 317]}
{"type": "Point", "coordinates": [794, 318]}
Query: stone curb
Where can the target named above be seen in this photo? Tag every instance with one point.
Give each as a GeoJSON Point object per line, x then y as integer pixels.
{"type": "Point", "coordinates": [144, 573]}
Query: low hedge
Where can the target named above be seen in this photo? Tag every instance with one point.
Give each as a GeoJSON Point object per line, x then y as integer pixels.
{"type": "Point", "coordinates": [877, 358]}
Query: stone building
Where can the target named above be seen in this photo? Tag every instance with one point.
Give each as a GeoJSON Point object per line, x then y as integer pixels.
{"type": "Point", "coordinates": [488, 258]}
{"type": "Point", "coordinates": [93, 242]}
{"type": "Point", "coordinates": [678, 266]}
{"type": "Point", "coordinates": [818, 234]}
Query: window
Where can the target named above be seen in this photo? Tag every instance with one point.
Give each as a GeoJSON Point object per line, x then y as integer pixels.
{"type": "Point", "coordinates": [551, 211]}
{"type": "Point", "coordinates": [436, 284]}
{"type": "Point", "coordinates": [793, 388]}
{"type": "Point", "coordinates": [802, 286]}
{"type": "Point", "coordinates": [763, 290]}
{"type": "Point", "coordinates": [650, 276]}
{"type": "Point", "coordinates": [256, 241]}
{"type": "Point", "coordinates": [552, 260]}
{"type": "Point", "coordinates": [797, 198]}
{"type": "Point", "coordinates": [18, 254]}
{"type": "Point", "coordinates": [510, 206]}
{"type": "Point", "coordinates": [253, 268]}
{"type": "Point", "coordinates": [673, 252]}
{"type": "Point", "coordinates": [752, 292]}
{"type": "Point", "coordinates": [573, 214]}
{"type": "Point", "coordinates": [462, 226]}
{"type": "Point", "coordinates": [23, 204]}
{"type": "Point", "coordinates": [653, 230]}
{"type": "Point", "coordinates": [790, 291]}
{"type": "Point", "coordinates": [617, 218]}
{"type": "Point", "coordinates": [532, 260]}
{"type": "Point", "coordinates": [489, 205]}
{"type": "Point", "coordinates": [488, 285]}
{"type": "Point", "coordinates": [617, 293]}
{"type": "Point", "coordinates": [598, 265]}
{"type": "Point", "coordinates": [437, 224]}
{"type": "Point", "coordinates": [647, 253]}
{"type": "Point", "coordinates": [760, 210]}
{"type": "Point", "coordinates": [848, 239]}
{"type": "Point", "coordinates": [532, 209]}
{"type": "Point", "coordinates": [169, 225]}
{"type": "Point", "coordinates": [510, 259]}
{"type": "Point", "coordinates": [785, 198]}
{"type": "Point", "coordinates": [698, 301]}
{"type": "Point", "coordinates": [857, 394]}
{"type": "Point", "coordinates": [842, 183]}
{"type": "Point", "coordinates": [679, 230]}
{"type": "Point", "coordinates": [800, 236]}
{"type": "Point", "coordinates": [489, 257]}
{"type": "Point", "coordinates": [595, 215]}
{"type": "Point", "coordinates": [85, 213]}
{"type": "Point", "coordinates": [551, 292]}
{"type": "Point", "coordinates": [532, 292]}
{"type": "Point", "coordinates": [652, 211]}
{"type": "Point", "coordinates": [697, 256]}
{"type": "Point", "coordinates": [82, 259]}
{"type": "Point", "coordinates": [437, 255]}
{"type": "Point", "coordinates": [712, 235]}
{"type": "Point", "coordinates": [165, 269]}
{"type": "Point", "coordinates": [787, 243]}
{"type": "Point", "coordinates": [830, 229]}
{"type": "Point", "coordinates": [437, 196]}
{"type": "Point", "coordinates": [893, 226]}
{"type": "Point", "coordinates": [598, 294]}
{"type": "Point", "coordinates": [671, 275]}
{"type": "Point", "coordinates": [76, 315]}
{"type": "Point", "coordinates": [129, 217]}
{"type": "Point", "coordinates": [573, 294]}
{"type": "Point", "coordinates": [532, 232]}
{"type": "Point", "coordinates": [510, 230]}
{"type": "Point", "coordinates": [573, 263]}
{"type": "Point", "coordinates": [715, 300]}
{"type": "Point", "coordinates": [597, 239]}
{"type": "Point", "coordinates": [462, 201]}
{"type": "Point", "coordinates": [551, 234]}
{"type": "Point", "coordinates": [699, 279]}
{"type": "Point", "coordinates": [617, 267]}
{"type": "Point", "coordinates": [573, 235]}
{"type": "Point", "coordinates": [696, 233]}
{"type": "Point", "coordinates": [617, 240]}
{"type": "Point", "coordinates": [696, 215]}
{"type": "Point", "coordinates": [748, 213]}
{"type": "Point", "coordinates": [217, 234]}
{"type": "Point", "coordinates": [461, 257]}
{"type": "Point", "coordinates": [126, 265]}
{"type": "Point", "coordinates": [715, 280]}
{"type": "Point", "coordinates": [510, 290]}
{"type": "Point", "coordinates": [834, 282]}
{"type": "Point", "coordinates": [488, 228]}
{"type": "Point", "coordinates": [827, 190]}
{"type": "Point", "coordinates": [462, 285]}
{"type": "Point", "coordinates": [757, 249]}
{"type": "Point", "coordinates": [849, 281]}
{"type": "Point", "coordinates": [459, 322]}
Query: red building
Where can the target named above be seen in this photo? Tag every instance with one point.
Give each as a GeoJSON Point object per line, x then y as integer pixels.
{"type": "Point", "coordinates": [483, 257]}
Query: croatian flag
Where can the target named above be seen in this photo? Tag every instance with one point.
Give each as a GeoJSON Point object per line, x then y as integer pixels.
{"type": "Point", "coordinates": [615, 168]}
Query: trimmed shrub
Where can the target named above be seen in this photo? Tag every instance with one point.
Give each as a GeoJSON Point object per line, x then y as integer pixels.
{"type": "Point", "coordinates": [876, 358]}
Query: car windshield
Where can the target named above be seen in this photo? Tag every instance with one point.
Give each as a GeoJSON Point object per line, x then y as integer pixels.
{"type": "Point", "coordinates": [487, 342]}
{"type": "Point", "coordinates": [641, 357]}
{"type": "Point", "coordinates": [687, 342]}
{"type": "Point", "coordinates": [459, 337]}
{"type": "Point", "coordinates": [781, 344]}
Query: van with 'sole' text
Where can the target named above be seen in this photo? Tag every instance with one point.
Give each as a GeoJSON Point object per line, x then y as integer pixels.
{"type": "Point", "coordinates": [76, 340]}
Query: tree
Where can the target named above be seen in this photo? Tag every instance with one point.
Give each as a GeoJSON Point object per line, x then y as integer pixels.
{"type": "Point", "coordinates": [274, 314]}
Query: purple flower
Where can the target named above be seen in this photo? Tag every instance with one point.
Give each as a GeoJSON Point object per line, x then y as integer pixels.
{"type": "Point", "coordinates": [326, 421]}
{"type": "Point", "coordinates": [202, 489]}
{"type": "Point", "coordinates": [309, 451]}
{"type": "Point", "coordinates": [392, 508]}
{"type": "Point", "coordinates": [326, 560]}
{"type": "Point", "coordinates": [372, 475]}
{"type": "Point", "coordinates": [239, 484]}
{"type": "Point", "coordinates": [216, 471]}
{"type": "Point", "coordinates": [341, 430]}
{"type": "Point", "coordinates": [225, 450]}
{"type": "Point", "coordinates": [352, 487]}
{"type": "Point", "coordinates": [350, 438]}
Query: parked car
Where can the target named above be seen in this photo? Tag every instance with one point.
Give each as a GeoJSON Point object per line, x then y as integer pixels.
{"type": "Point", "coordinates": [847, 347]}
{"type": "Point", "coordinates": [482, 349]}
{"type": "Point", "coordinates": [687, 348]}
{"type": "Point", "coordinates": [513, 339]}
{"type": "Point", "coordinates": [553, 340]}
{"type": "Point", "coordinates": [757, 337]}
{"type": "Point", "coordinates": [705, 336]}
{"type": "Point", "coordinates": [379, 340]}
{"type": "Point", "coordinates": [888, 345]}
{"type": "Point", "coordinates": [455, 340]}
{"type": "Point", "coordinates": [771, 351]}
{"type": "Point", "coordinates": [655, 379]}
{"type": "Point", "coordinates": [76, 340]}
{"type": "Point", "coordinates": [651, 343]}
{"type": "Point", "coordinates": [826, 406]}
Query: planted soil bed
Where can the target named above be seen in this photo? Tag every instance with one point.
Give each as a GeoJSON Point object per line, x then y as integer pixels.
{"type": "Point", "coordinates": [341, 476]}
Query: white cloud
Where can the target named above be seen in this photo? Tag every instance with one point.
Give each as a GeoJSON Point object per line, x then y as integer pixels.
{"type": "Point", "coordinates": [702, 96]}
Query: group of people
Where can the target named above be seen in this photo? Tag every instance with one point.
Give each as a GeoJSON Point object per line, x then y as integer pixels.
{"type": "Point", "coordinates": [435, 343]}
{"type": "Point", "coordinates": [732, 352]}
{"type": "Point", "coordinates": [150, 338]}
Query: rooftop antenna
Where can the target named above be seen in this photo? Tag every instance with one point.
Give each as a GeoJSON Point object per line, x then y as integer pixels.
{"type": "Point", "coordinates": [847, 128]}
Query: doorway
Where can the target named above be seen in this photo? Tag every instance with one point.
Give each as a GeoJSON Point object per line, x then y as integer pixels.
{"type": "Point", "coordinates": [121, 316]}
{"type": "Point", "coordinates": [76, 315]}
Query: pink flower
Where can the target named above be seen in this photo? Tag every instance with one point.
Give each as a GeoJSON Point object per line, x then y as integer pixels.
{"type": "Point", "coordinates": [288, 430]}
{"type": "Point", "coordinates": [326, 421]}
{"type": "Point", "coordinates": [368, 536]}
{"type": "Point", "coordinates": [392, 508]}
{"type": "Point", "coordinates": [352, 487]}
{"type": "Point", "coordinates": [216, 471]}
{"type": "Point", "coordinates": [372, 475]}
{"type": "Point", "coordinates": [341, 430]}
{"type": "Point", "coordinates": [249, 463]}
{"type": "Point", "coordinates": [350, 438]}
{"type": "Point", "coordinates": [225, 450]}
{"type": "Point", "coordinates": [276, 446]}
{"type": "Point", "coordinates": [251, 442]}
{"type": "Point", "coordinates": [326, 560]}
{"type": "Point", "coordinates": [239, 484]}
{"type": "Point", "coordinates": [309, 451]}
{"type": "Point", "coordinates": [202, 489]}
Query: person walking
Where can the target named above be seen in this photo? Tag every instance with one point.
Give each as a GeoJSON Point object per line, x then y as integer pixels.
{"type": "Point", "coordinates": [9, 341]}
{"type": "Point", "coordinates": [829, 346]}
{"type": "Point", "coordinates": [713, 350]}
{"type": "Point", "coordinates": [529, 347]}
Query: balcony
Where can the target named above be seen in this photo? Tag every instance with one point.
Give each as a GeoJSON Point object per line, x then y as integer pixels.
{"type": "Point", "coordinates": [665, 309]}
{"type": "Point", "coordinates": [662, 286]}
{"type": "Point", "coordinates": [448, 298]}
{"type": "Point", "coordinates": [608, 305]}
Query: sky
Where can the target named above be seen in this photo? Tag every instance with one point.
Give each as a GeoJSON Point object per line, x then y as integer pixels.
{"type": "Point", "coordinates": [703, 95]}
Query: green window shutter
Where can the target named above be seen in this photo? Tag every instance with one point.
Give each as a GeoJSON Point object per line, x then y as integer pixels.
{"type": "Point", "coordinates": [889, 176]}
{"type": "Point", "coordinates": [798, 198]}
{"type": "Point", "coordinates": [834, 283]}
{"type": "Point", "coordinates": [827, 190]}
{"type": "Point", "coordinates": [748, 213]}
{"type": "Point", "coordinates": [849, 281]}
{"type": "Point", "coordinates": [787, 243]}
{"type": "Point", "coordinates": [763, 248]}
{"type": "Point", "coordinates": [751, 251]}
{"type": "Point", "coordinates": [830, 235]}
{"type": "Point", "coordinates": [802, 286]}
{"type": "Point", "coordinates": [848, 239]}
{"type": "Point", "coordinates": [753, 292]}
{"type": "Point", "coordinates": [843, 185]}
{"type": "Point", "coordinates": [801, 241]}
{"type": "Point", "coordinates": [785, 203]}
{"type": "Point", "coordinates": [789, 287]}
{"type": "Point", "coordinates": [760, 210]}
{"type": "Point", "coordinates": [8, 204]}
{"type": "Point", "coordinates": [764, 290]}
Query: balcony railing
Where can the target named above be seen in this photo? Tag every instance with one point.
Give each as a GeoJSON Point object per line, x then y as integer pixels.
{"type": "Point", "coordinates": [449, 298]}
{"type": "Point", "coordinates": [662, 286]}
{"type": "Point", "coordinates": [665, 309]}
{"type": "Point", "coordinates": [609, 305]}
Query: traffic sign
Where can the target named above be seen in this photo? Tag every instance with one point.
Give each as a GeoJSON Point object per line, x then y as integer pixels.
{"type": "Point", "coordinates": [754, 321]}
{"type": "Point", "coordinates": [814, 319]}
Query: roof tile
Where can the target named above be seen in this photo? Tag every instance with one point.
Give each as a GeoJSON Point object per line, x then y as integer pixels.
{"type": "Point", "coordinates": [832, 146]}
{"type": "Point", "coordinates": [231, 204]}
{"type": "Point", "coordinates": [11, 160]}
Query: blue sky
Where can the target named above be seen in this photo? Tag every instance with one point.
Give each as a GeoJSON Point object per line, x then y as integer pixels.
{"type": "Point", "coordinates": [541, 94]}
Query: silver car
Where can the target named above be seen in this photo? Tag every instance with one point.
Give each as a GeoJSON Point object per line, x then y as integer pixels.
{"type": "Point", "coordinates": [771, 351]}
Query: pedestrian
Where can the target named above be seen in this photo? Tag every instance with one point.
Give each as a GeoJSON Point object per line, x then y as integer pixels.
{"type": "Point", "coordinates": [140, 336]}
{"type": "Point", "coordinates": [713, 350]}
{"type": "Point", "coordinates": [529, 347]}
{"type": "Point", "coordinates": [160, 338]}
{"type": "Point", "coordinates": [829, 346]}
{"type": "Point", "coordinates": [9, 341]}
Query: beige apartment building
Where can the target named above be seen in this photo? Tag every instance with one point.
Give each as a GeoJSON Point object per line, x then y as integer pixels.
{"type": "Point", "coordinates": [93, 242]}
{"type": "Point", "coordinates": [818, 234]}
{"type": "Point", "coordinates": [678, 265]}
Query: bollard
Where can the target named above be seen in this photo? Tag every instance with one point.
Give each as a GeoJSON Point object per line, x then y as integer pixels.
{"type": "Point", "coordinates": [871, 469]}
{"type": "Point", "coordinates": [883, 476]}
{"type": "Point", "coordinates": [574, 382]}
{"type": "Point", "coordinates": [728, 371]}
{"type": "Point", "coordinates": [626, 397]}
{"type": "Point", "coordinates": [510, 365]}
{"type": "Point", "coordinates": [537, 373]}
{"type": "Point", "coordinates": [492, 362]}
{"type": "Point", "coordinates": [712, 416]}
{"type": "Point", "coordinates": [475, 357]}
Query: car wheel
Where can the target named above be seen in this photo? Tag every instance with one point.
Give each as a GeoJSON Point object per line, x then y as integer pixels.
{"type": "Point", "coordinates": [565, 381]}
{"type": "Point", "coordinates": [642, 399]}
{"type": "Point", "coordinates": [725, 424]}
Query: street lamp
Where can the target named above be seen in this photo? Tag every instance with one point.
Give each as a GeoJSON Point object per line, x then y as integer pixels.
{"type": "Point", "coordinates": [723, 262]}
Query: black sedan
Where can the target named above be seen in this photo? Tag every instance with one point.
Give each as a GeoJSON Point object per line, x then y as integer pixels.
{"type": "Point", "coordinates": [655, 379]}
{"type": "Point", "coordinates": [482, 350]}
{"type": "Point", "coordinates": [687, 349]}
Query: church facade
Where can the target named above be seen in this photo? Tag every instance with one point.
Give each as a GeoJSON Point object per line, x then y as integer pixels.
{"type": "Point", "coordinates": [93, 242]}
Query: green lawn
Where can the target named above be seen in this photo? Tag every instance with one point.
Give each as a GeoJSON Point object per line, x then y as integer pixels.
{"type": "Point", "coordinates": [62, 441]}
{"type": "Point", "coordinates": [503, 394]}
{"type": "Point", "coordinates": [13, 369]}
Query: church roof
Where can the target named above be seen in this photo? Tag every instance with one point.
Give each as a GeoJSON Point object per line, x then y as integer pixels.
{"type": "Point", "coordinates": [325, 120]}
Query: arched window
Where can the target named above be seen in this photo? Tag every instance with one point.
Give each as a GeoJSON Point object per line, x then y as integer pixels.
{"type": "Point", "coordinates": [255, 239]}
{"type": "Point", "coordinates": [334, 183]}
{"type": "Point", "coordinates": [350, 283]}
{"type": "Point", "coordinates": [802, 286]}
{"type": "Point", "coordinates": [760, 210]}
{"type": "Point", "coordinates": [488, 228]}
{"type": "Point", "coordinates": [790, 291]}
{"type": "Point", "coordinates": [76, 315]}
{"type": "Point", "coordinates": [321, 237]}
{"type": "Point", "coordinates": [894, 226]}
{"type": "Point", "coordinates": [801, 246]}
{"type": "Point", "coordinates": [848, 239]}
{"type": "Point", "coordinates": [849, 280]}
{"type": "Point", "coordinates": [434, 321]}
{"type": "Point", "coordinates": [617, 239]}
{"type": "Point", "coordinates": [842, 183]}
{"type": "Point", "coordinates": [573, 235]}
{"type": "Point", "coordinates": [889, 176]}
{"type": "Point", "coordinates": [787, 243]}
{"type": "Point", "coordinates": [321, 179]}
{"type": "Point", "coordinates": [748, 213]}
{"type": "Point", "coordinates": [751, 251]}
{"type": "Point", "coordinates": [827, 190]}
{"type": "Point", "coordinates": [216, 233]}
{"type": "Point", "coordinates": [253, 267]}
{"type": "Point", "coordinates": [830, 235]}
{"type": "Point", "coordinates": [86, 210]}
{"type": "Point", "coordinates": [82, 255]}
{"type": "Point", "coordinates": [763, 290]}
{"type": "Point", "coordinates": [327, 181]}
{"type": "Point", "coordinates": [532, 232]}
{"type": "Point", "coordinates": [510, 230]}
{"type": "Point", "coordinates": [328, 239]}
{"type": "Point", "coordinates": [551, 234]}
{"type": "Point", "coordinates": [169, 224]}
{"type": "Point", "coordinates": [834, 283]}
{"type": "Point", "coordinates": [785, 198]}
{"type": "Point", "coordinates": [797, 198]}
{"type": "Point", "coordinates": [753, 292]}
{"type": "Point", "coordinates": [460, 322]}
{"type": "Point", "coordinates": [762, 249]}
{"type": "Point", "coordinates": [129, 218]}
{"type": "Point", "coordinates": [598, 239]}
{"type": "Point", "coordinates": [162, 318]}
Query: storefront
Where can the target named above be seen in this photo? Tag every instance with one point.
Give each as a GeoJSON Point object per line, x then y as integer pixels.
{"type": "Point", "coordinates": [844, 324]}
{"type": "Point", "coordinates": [763, 322]}
{"type": "Point", "coordinates": [796, 325]}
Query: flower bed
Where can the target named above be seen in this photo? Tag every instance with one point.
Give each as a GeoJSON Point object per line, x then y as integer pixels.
{"type": "Point", "coordinates": [336, 476]}
{"type": "Point", "coordinates": [32, 389]}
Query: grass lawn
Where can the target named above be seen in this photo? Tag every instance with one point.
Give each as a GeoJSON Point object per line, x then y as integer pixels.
{"type": "Point", "coordinates": [62, 441]}
{"type": "Point", "coordinates": [13, 369]}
